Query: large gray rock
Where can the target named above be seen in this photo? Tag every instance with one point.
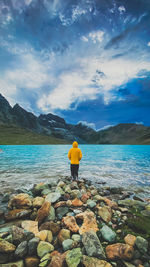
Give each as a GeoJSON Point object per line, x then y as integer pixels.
{"type": "Point", "coordinates": [51, 216]}
{"type": "Point", "coordinates": [43, 248]}
{"type": "Point", "coordinates": [53, 197]}
{"type": "Point", "coordinates": [108, 234]}
{"type": "Point", "coordinates": [91, 204]}
{"type": "Point", "coordinates": [67, 244]}
{"type": "Point", "coordinates": [32, 246]}
{"type": "Point", "coordinates": [142, 244]}
{"type": "Point", "coordinates": [61, 211]}
{"type": "Point", "coordinates": [21, 250]}
{"type": "Point", "coordinates": [73, 257]}
{"type": "Point", "coordinates": [92, 245]}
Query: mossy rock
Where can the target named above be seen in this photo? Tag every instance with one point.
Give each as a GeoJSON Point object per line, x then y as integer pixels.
{"type": "Point", "coordinates": [137, 224]}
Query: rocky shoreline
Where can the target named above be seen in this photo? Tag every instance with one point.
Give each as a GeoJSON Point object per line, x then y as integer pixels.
{"type": "Point", "coordinates": [74, 223]}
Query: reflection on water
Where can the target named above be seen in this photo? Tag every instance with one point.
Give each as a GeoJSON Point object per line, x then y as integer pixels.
{"type": "Point", "coordinates": [117, 165]}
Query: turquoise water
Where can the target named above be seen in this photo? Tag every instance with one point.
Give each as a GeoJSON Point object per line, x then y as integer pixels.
{"type": "Point", "coordinates": [117, 165]}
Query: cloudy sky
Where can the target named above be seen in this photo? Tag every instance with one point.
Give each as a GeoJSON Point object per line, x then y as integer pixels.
{"type": "Point", "coordinates": [85, 60]}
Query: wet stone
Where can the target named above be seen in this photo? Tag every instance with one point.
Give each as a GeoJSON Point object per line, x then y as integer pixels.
{"type": "Point", "coordinates": [108, 234]}
{"type": "Point", "coordinates": [67, 244]}
{"type": "Point", "coordinates": [21, 250]}
{"type": "Point", "coordinates": [61, 211]}
{"type": "Point", "coordinates": [32, 246]}
{"type": "Point", "coordinates": [53, 197]}
{"type": "Point", "coordinates": [92, 245]}
{"type": "Point", "coordinates": [142, 244]}
{"type": "Point", "coordinates": [73, 257]}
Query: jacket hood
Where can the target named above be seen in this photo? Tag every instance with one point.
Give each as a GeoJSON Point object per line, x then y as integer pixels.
{"type": "Point", "coordinates": [75, 144]}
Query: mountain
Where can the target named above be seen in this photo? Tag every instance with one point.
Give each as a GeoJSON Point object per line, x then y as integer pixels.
{"type": "Point", "coordinates": [18, 126]}
{"type": "Point", "coordinates": [125, 133]}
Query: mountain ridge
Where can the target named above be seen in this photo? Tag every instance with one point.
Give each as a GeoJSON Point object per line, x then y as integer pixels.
{"type": "Point", "coordinates": [57, 129]}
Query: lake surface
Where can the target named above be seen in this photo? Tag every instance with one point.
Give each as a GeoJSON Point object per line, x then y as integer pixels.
{"type": "Point", "coordinates": [117, 165]}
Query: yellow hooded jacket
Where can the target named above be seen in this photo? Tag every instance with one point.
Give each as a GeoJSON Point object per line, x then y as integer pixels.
{"type": "Point", "coordinates": [75, 154]}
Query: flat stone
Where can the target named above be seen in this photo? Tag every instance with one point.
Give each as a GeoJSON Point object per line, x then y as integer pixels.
{"type": "Point", "coordinates": [74, 185]}
{"type": "Point", "coordinates": [43, 212]}
{"type": "Point", "coordinates": [18, 235]}
{"type": "Point", "coordinates": [70, 223]}
{"type": "Point", "coordinates": [89, 222]}
{"type": "Point", "coordinates": [45, 260]}
{"type": "Point", "coordinates": [61, 211]}
{"type": "Point", "coordinates": [105, 213]}
{"type": "Point", "coordinates": [45, 192]}
{"type": "Point", "coordinates": [39, 187]}
{"type": "Point", "coordinates": [141, 244]}
{"type": "Point", "coordinates": [110, 203]}
{"type": "Point", "coordinates": [20, 201]}
{"type": "Point", "coordinates": [30, 226]}
{"type": "Point", "coordinates": [53, 197]}
{"type": "Point", "coordinates": [76, 194]}
{"type": "Point", "coordinates": [76, 237]}
{"type": "Point", "coordinates": [60, 204]}
{"type": "Point", "coordinates": [32, 262]}
{"type": "Point", "coordinates": [131, 203]}
{"type": "Point", "coordinates": [84, 198]}
{"type": "Point", "coordinates": [16, 214]}
{"type": "Point", "coordinates": [67, 189]}
{"type": "Point", "coordinates": [108, 234]}
{"type": "Point", "coordinates": [91, 203]}
{"type": "Point", "coordinates": [44, 248]}
{"type": "Point", "coordinates": [42, 235]}
{"type": "Point", "coordinates": [57, 260]}
{"type": "Point", "coordinates": [59, 190]}
{"type": "Point", "coordinates": [119, 250]}
{"type": "Point", "coordinates": [61, 184]}
{"type": "Point", "coordinates": [51, 216]}
{"type": "Point", "coordinates": [92, 245]}
{"type": "Point", "coordinates": [38, 202]}
{"type": "Point", "coordinates": [63, 235]}
{"type": "Point", "coordinates": [45, 235]}
{"type": "Point", "coordinates": [67, 244]}
{"type": "Point", "coordinates": [32, 246]}
{"type": "Point", "coordinates": [77, 202]}
{"type": "Point", "coordinates": [21, 250]}
{"type": "Point", "coordinates": [73, 257]}
{"type": "Point", "coordinates": [94, 262]}
{"type": "Point", "coordinates": [6, 247]}
{"type": "Point", "coordinates": [54, 227]}
{"type": "Point", "coordinates": [130, 239]}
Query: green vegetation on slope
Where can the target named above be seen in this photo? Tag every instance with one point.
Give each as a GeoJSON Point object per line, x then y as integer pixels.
{"type": "Point", "coordinates": [12, 135]}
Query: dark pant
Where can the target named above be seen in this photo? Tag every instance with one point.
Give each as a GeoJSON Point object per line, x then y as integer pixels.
{"type": "Point", "coordinates": [74, 170]}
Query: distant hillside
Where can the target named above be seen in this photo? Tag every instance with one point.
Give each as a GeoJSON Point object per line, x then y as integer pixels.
{"type": "Point", "coordinates": [18, 126]}
{"type": "Point", "coordinates": [12, 135]}
{"type": "Point", "coordinates": [124, 134]}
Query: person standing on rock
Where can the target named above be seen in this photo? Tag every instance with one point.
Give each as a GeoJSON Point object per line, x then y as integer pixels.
{"type": "Point", "coordinates": [74, 155]}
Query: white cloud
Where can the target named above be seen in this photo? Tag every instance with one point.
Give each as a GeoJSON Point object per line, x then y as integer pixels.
{"type": "Point", "coordinates": [72, 87]}
{"type": "Point", "coordinates": [75, 86]}
{"type": "Point", "coordinates": [148, 44]}
{"type": "Point", "coordinates": [121, 9]}
{"type": "Point", "coordinates": [94, 36]}
{"type": "Point", "coordinates": [139, 123]}
{"type": "Point", "coordinates": [105, 127]}
{"type": "Point", "coordinates": [84, 39]}
{"type": "Point", "coordinates": [88, 124]}
{"type": "Point", "coordinates": [28, 2]}
{"type": "Point", "coordinates": [30, 73]}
